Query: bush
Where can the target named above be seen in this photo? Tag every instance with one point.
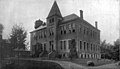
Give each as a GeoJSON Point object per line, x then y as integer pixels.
{"type": "Point", "coordinates": [118, 63]}
{"type": "Point", "coordinates": [59, 56]}
{"type": "Point", "coordinates": [90, 63]}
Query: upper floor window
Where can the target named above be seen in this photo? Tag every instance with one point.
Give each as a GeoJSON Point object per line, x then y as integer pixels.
{"type": "Point", "coordinates": [84, 30]}
{"type": "Point", "coordinates": [64, 44]}
{"type": "Point", "coordinates": [87, 31]}
{"type": "Point", "coordinates": [39, 35]}
{"type": "Point", "coordinates": [51, 31]}
{"type": "Point", "coordinates": [61, 45]}
{"type": "Point", "coordinates": [80, 28]}
{"type": "Point", "coordinates": [51, 20]}
{"type": "Point", "coordinates": [87, 46]}
{"type": "Point", "coordinates": [91, 33]}
{"type": "Point", "coordinates": [73, 27]}
{"type": "Point", "coordinates": [64, 28]}
{"type": "Point", "coordinates": [61, 30]}
{"type": "Point", "coordinates": [70, 28]}
{"type": "Point", "coordinates": [80, 44]}
{"type": "Point", "coordinates": [45, 34]}
{"type": "Point", "coordinates": [91, 47]}
{"type": "Point", "coordinates": [94, 47]}
{"type": "Point", "coordinates": [84, 45]}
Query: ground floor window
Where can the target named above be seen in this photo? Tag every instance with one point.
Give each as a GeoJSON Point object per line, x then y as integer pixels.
{"type": "Point", "coordinates": [51, 43]}
{"type": "Point", "coordinates": [63, 44]}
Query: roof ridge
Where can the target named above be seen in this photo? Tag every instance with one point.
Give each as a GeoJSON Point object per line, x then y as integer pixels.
{"type": "Point", "coordinates": [71, 14]}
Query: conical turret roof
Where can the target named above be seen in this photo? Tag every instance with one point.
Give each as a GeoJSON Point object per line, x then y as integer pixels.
{"type": "Point", "coordinates": [55, 10]}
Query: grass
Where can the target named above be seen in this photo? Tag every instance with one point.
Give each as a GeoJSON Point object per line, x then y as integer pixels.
{"type": "Point", "coordinates": [31, 64]}
{"type": "Point", "coordinates": [84, 61]}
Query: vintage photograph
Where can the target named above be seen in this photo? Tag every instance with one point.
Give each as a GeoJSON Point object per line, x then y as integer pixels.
{"type": "Point", "coordinates": [59, 34]}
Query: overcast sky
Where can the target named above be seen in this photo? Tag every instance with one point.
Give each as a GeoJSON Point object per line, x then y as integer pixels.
{"type": "Point", "coordinates": [25, 12]}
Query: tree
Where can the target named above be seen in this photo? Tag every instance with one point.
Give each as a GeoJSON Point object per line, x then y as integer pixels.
{"type": "Point", "coordinates": [106, 50]}
{"type": "Point", "coordinates": [116, 50]}
{"type": "Point", "coordinates": [18, 37]}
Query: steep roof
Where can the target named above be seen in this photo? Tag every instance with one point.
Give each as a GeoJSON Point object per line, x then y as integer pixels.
{"type": "Point", "coordinates": [54, 10]}
{"type": "Point", "coordinates": [39, 28]}
{"type": "Point", "coordinates": [70, 17]}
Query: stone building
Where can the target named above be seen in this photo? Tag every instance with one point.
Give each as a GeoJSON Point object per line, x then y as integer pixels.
{"type": "Point", "coordinates": [58, 31]}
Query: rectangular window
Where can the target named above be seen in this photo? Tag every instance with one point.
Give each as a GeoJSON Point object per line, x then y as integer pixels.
{"type": "Point", "coordinates": [91, 47]}
{"type": "Point", "coordinates": [44, 34]}
{"type": "Point", "coordinates": [64, 28]}
{"type": "Point", "coordinates": [44, 46]}
{"type": "Point", "coordinates": [73, 27]}
{"type": "Point", "coordinates": [94, 47]}
{"type": "Point", "coordinates": [49, 32]}
{"type": "Point", "coordinates": [80, 28]}
{"type": "Point", "coordinates": [39, 35]}
{"type": "Point", "coordinates": [51, 45]}
{"type": "Point", "coordinates": [80, 44]}
{"type": "Point", "coordinates": [84, 31]}
{"type": "Point", "coordinates": [69, 27]}
{"type": "Point", "coordinates": [91, 33]}
{"type": "Point", "coordinates": [64, 44]}
{"type": "Point", "coordinates": [52, 31]}
{"type": "Point", "coordinates": [87, 46]}
{"type": "Point", "coordinates": [52, 19]}
{"type": "Point", "coordinates": [61, 45]}
{"type": "Point", "coordinates": [87, 31]}
{"type": "Point", "coordinates": [61, 30]}
{"type": "Point", "coordinates": [84, 45]}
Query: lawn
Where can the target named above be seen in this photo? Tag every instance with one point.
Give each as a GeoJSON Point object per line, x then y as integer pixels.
{"type": "Point", "coordinates": [84, 61]}
{"type": "Point", "coordinates": [31, 64]}
{"type": "Point", "coordinates": [38, 63]}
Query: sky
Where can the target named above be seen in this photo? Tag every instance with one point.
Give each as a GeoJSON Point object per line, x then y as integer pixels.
{"type": "Point", "coordinates": [26, 12]}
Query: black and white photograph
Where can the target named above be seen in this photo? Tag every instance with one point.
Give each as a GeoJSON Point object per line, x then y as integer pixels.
{"type": "Point", "coordinates": [59, 34]}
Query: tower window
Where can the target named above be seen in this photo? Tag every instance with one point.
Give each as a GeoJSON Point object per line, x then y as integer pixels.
{"type": "Point", "coordinates": [52, 19]}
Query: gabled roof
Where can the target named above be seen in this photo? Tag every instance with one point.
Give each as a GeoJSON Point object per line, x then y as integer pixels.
{"type": "Point", "coordinates": [70, 17]}
{"type": "Point", "coordinates": [39, 28]}
{"type": "Point", "coordinates": [55, 10]}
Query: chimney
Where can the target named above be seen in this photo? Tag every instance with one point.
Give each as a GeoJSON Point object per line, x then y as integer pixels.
{"type": "Point", "coordinates": [96, 24]}
{"type": "Point", "coordinates": [81, 14]}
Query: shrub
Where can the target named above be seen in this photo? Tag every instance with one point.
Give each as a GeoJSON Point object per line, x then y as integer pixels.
{"type": "Point", "coordinates": [118, 63]}
{"type": "Point", "coordinates": [90, 63]}
{"type": "Point", "coordinates": [59, 56]}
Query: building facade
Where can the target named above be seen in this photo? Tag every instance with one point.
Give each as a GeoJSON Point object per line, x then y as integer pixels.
{"type": "Point", "coordinates": [58, 31]}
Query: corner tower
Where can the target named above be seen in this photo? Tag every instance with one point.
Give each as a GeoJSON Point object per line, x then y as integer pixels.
{"type": "Point", "coordinates": [53, 18]}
